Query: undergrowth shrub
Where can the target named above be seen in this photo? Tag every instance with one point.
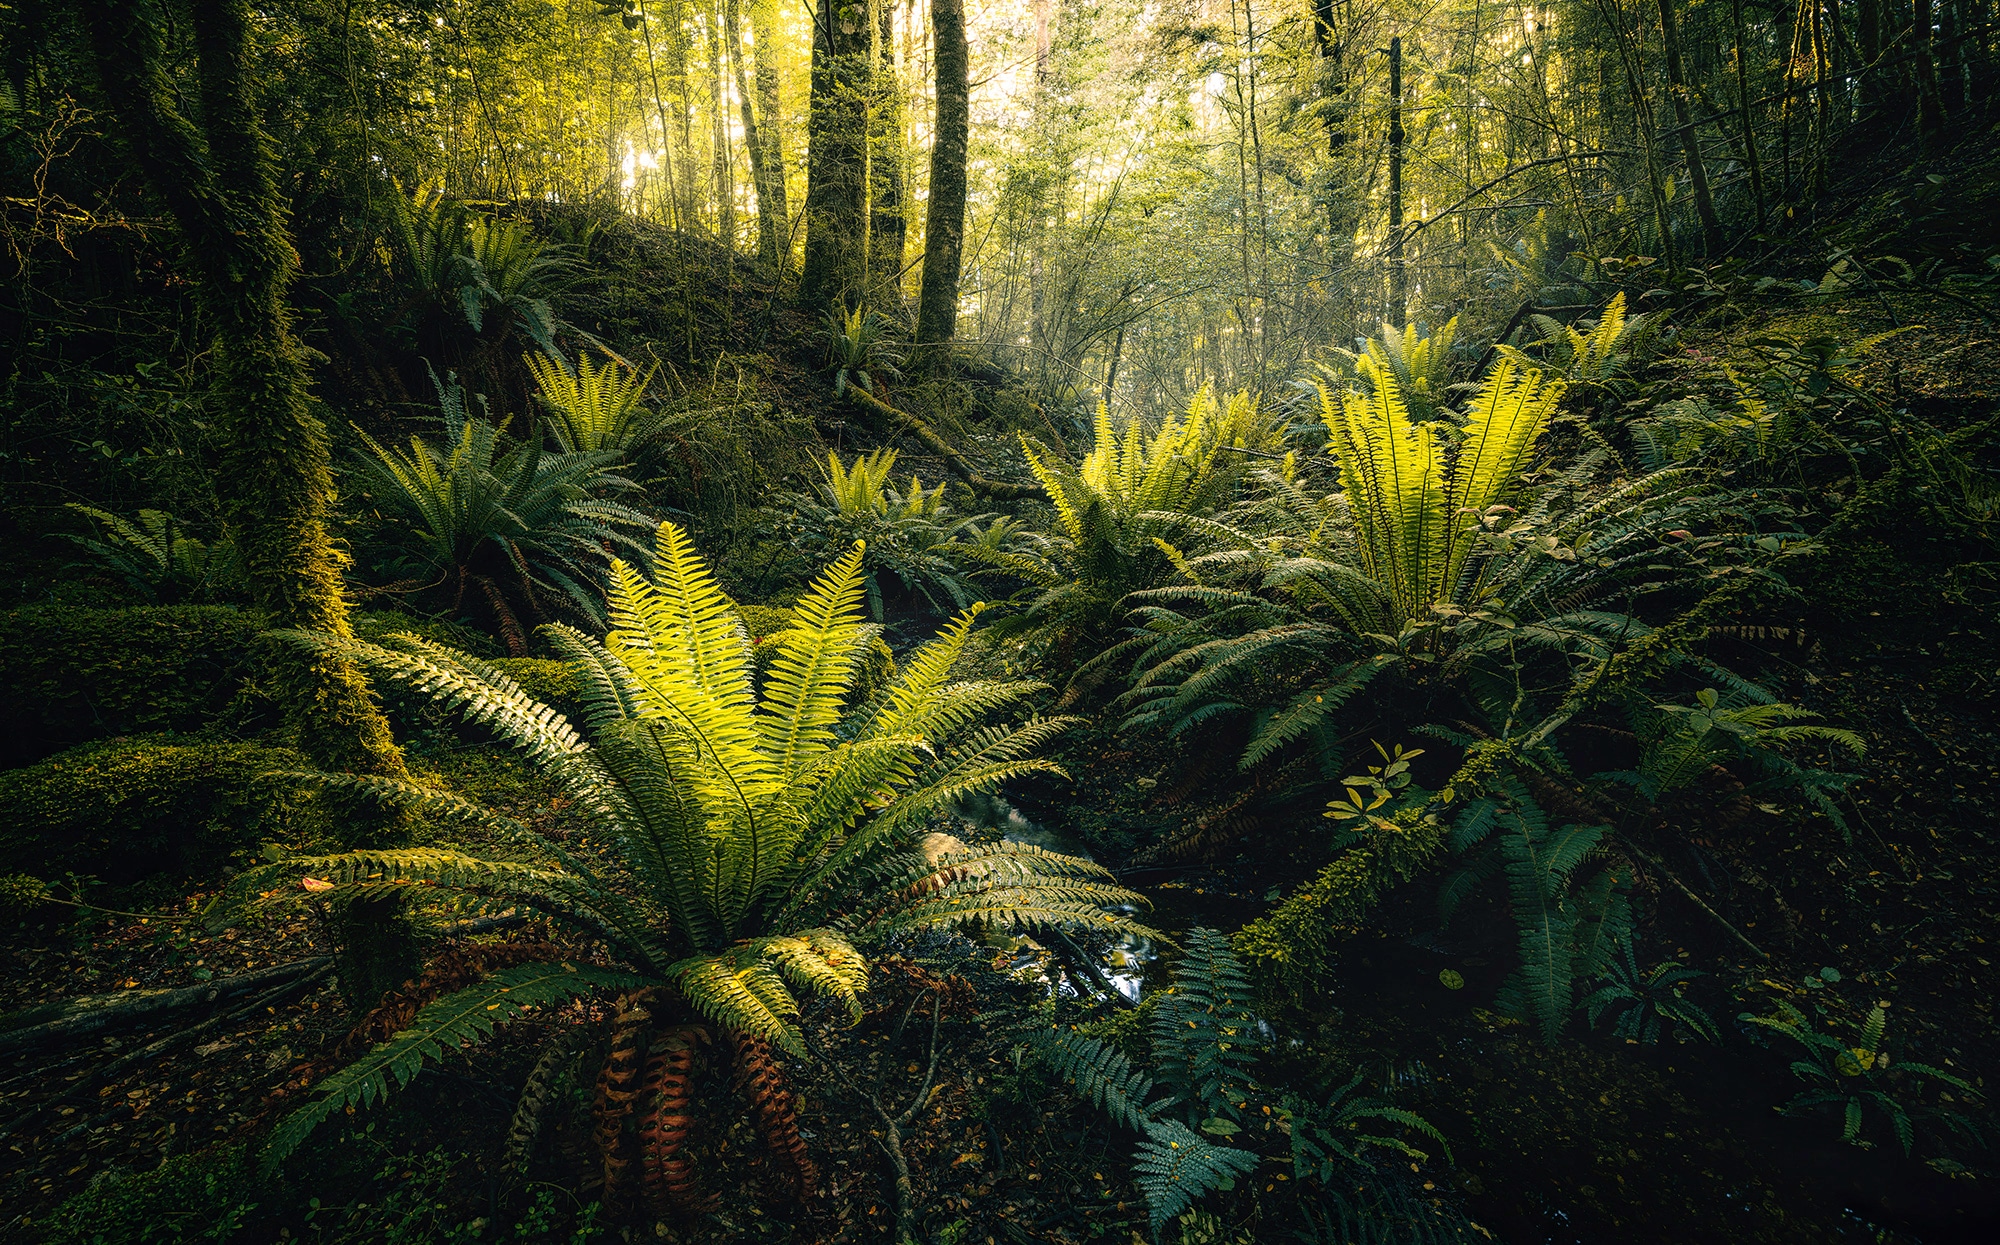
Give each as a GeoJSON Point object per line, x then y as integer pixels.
{"type": "Point", "coordinates": [204, 1196]}
{"type": "Point", "coordinates": [125, 809]}
{"type": "Point", "coordinates": [75, 675]}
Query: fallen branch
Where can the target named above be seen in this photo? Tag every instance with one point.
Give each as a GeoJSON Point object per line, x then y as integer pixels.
{"type": "Point", "coordinates": [97, 1013]}
{"type": "Point", "coordinates": [1699, 902]}
{"type": "Point", "coordinates": [93, 1014]}
{"type": "Point", "coordinates": [996, 490]}
{"type": "Point", "coordinates": [892, 1138]}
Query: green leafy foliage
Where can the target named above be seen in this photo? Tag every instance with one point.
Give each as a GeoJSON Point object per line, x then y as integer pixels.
{"type": "Point", "coordinates": [1856, 1075]}
{"type": "Point", "coordinates": [468, 265]}
{"type": "Point", "coordinates": [1417, 365]}
{"type": "Point", "coordinates": [1328, 1136]}
{"type": "Point", "coordinates": [601, 408]}
{"type": "Point", "coordinates": [1120, 511]}
{"type": "Point", "coordinates": [762, 827]}
{"type": "Point", "coordinates": [74, 675]}
{"type": "Point", "coordinates": [1568, 928]}
{"type": "Point", "coordinates": [123, 809]}
{"type": "Point", "coordinates": [1410, 485]}
{"type": "Point", "coordinates": [862, 350]}
{"type": "Point", "coordinates": [205, 1195]}
{"type": "Point", "coordinates": [1205, 1034]}
{"type": "Point", "coordinates": [158, 560]}
{"type": "Point", "coordinates": [441, 1027]}
{"type": "Point", "coordinates": [1615, 345]}
{"type": "Point", "coordinates": [1683, 743]}
{"type": "Point", "coordinates": [910, 536]}
{"type": "Point", "coordinates": [477, 519]}
{"type": "Point", "coordinates": [1205, 1039]}
{"type": "Point", "coordinates": [1177, 1167]}
{"type": "Point", "coordinates": [1647, 1004]}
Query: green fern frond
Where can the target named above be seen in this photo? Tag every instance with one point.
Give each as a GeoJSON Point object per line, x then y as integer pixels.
{"type": "Point", "coordinates": [441, 1027]}
{"type": "Point", "coordinates": [814, 667]}
{"type": "Point", "coordinates": [1175, 1167]}
{"type": "Point", "coordinates": [1100, 1073]}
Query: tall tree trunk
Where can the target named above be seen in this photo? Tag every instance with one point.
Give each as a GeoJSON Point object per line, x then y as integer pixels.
{"type": "Point", "coordinates": [770, 214]}
{"type": "Point", "coordinates": [1677, 92]}
{"type": "Point", "coordinates": [675, 218]}
{"type": "Point", "coordinates": [888, 228]}
{"type": "Point", "coordinates": [944, 222]}
{"type": "Point", "coordinates": [1342, 209]}
{"type": "Point", "coordinates": [721, 170]}
{"type": "Point", "coordinates": [1868, 82]}
{"type": "Point", "coordinates": [1743, 114]}
{"type": "Point", "coordinates": [1930, 101]}
{"type": "Point", "coordinates": [770, 101]}
{"type": "Point", "coordinates": [217, 182]}
{"type": "Point", "coordinates": [1399, 277]}
{"type": "Point", "coordinates": [837, 158]}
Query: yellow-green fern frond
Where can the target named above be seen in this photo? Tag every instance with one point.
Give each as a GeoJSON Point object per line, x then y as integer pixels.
{"type": "Point", "coordinates": [814, 667]}
{"type": "Point", "coordinates": [590, 407]}
{"type": "Point", "coordinates": [862, 488]}
{"type": "Point", "coordinates": [739, 990]}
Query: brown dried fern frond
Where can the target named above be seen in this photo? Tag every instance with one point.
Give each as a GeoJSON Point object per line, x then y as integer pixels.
{"type": "Point", "coordinates": [619, 1083]}
{"type": "Point", "coordinates": [666, 1121]}
{"type": "Point", "coordinates": [761, 1080]}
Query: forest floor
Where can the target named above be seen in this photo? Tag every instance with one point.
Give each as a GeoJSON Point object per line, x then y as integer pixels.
{"type": "Point", "coordinates": [1594, 1140]}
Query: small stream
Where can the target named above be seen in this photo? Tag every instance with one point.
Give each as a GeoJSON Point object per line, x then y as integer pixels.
{"type": "Point", "coordinates": [1132, 963]}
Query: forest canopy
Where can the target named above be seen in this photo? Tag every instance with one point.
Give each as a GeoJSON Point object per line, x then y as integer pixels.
{"type": "Point", "coordinates": [1038, 621]}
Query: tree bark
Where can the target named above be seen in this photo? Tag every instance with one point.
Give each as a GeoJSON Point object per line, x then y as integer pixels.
{"type": "Point", "coordinates": [1399, 277]}
{"type": "Point", "coordinates": [771, 222]}
{"type": "Point", "coordinates": [1930, 100]}
{"type": "Point", "coordinates": [1677, 92]}
{"type": "Point", "coordinates": [888, 229]}
{"type": "Point", "coordinates": [275, 477]}
{"type": "Point", "coordinates": [1743, 113]}
{"type": "Point", "coordinates": [771, 102]}
{"type": "Point", "coordinates": [835, 269]}
{"type": "Point", "coordinates": [944, 226]}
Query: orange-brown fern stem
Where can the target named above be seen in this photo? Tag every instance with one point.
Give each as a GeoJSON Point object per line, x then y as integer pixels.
{"type": "Point", "coordinates": [618, 1086]}
{"type": "Point", "coordinates": [762, 1081]}
{"type": "Point", "coordinates": [666, 1120]}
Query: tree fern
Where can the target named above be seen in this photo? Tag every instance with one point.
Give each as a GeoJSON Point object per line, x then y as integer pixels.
{"type": "Point", "coordinates": [755, 843]}
{"type": "Point", "coordinates": [596, 407]}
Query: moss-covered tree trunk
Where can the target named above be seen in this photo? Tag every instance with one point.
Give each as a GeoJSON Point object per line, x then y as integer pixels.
{"type": "Point", "coordinates": [763, 26]}
{"type": "Point", "coordinates": [944, 224]}
{"type": "Point", "coordinates": [887, 227]}
{"type": "Point", "coordinates": [836, 259]}
{"type": "Point", "coordinates": [274, 475]}
{"type": "Point", "coordinates": [770, 207]}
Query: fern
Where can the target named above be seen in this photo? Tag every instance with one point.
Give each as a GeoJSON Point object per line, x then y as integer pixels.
{"type": "Point", "coordinates": [754, 840]}
{"type": "Point", "coordinates": [1176, 1167]}
{"type": "Point", "coordinates": [598, 408]}
{"type": "Point", "coordinates": [1205, 1036]}
{"type": "Point", "coordinates": [1101, 1075]}
{"type": "Point", "coordinates": [1416, 364]}
{"type": "Point", "coordinates": [441, 1027]}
